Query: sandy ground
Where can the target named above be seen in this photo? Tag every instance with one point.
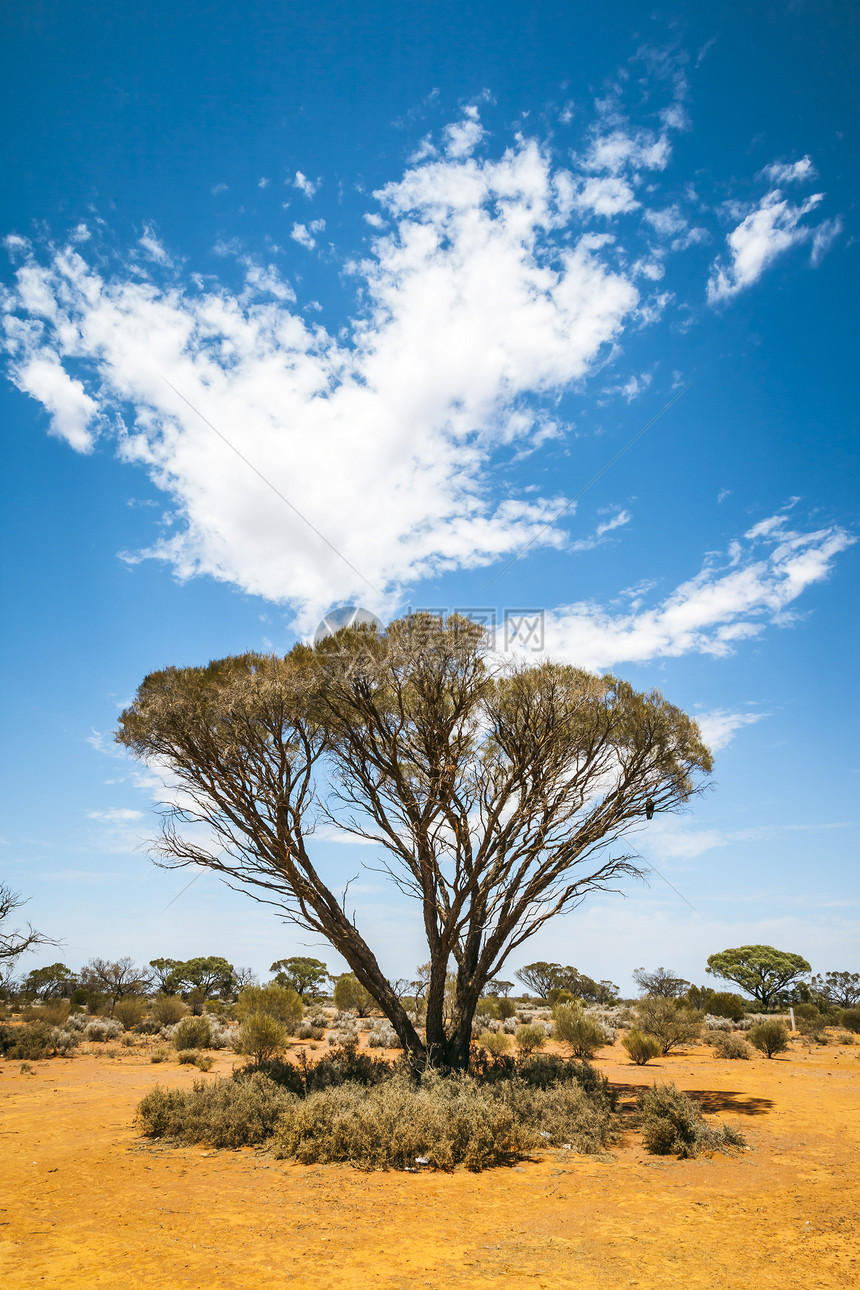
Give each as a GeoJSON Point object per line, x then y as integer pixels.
{"type": "Point", "coordinates": [85, 1201]}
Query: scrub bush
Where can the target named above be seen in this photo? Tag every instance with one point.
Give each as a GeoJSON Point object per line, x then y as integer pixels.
{"type": "Point", "coordinates": [261, 1037]}
{"type": "Point", "coordinates": [191, 1032]}
{"type": "Point", "coordinates": [581, 1033]}
{"type": "Point", "coordinates": [168, 1009]}
{"type": "Point", "coordinates": [222, 1113]}
{"type": "Point", "coordinates": [279, 1002]}
{"type": "Point", "coordinates": [672, 1124]}
{"type": "Point", "coordinates": [850, 1020]}
{"type": "Point", "coordinates": [670, 1022]}
{"type": "Point", "coordinates": [769, 1037]}
{"type": "Point", "coordinates": [130, 1010]}
{"type": "Point", "coordinates": [641, 1048]}
{"type": "Point", "coordinates": [528, 1038]}
{"type": "Point", "coordinates": [731, 1046]}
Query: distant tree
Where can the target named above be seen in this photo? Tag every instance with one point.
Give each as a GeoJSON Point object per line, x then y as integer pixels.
{"type": "Point", "coordinates": [760, 970]}
{"type": "Point", "coordinates": [16, 941]}
{"type": "Point", "coordinates": [304, 975]}
{"type": "Point", "coordinates": [53, 982]}
{"type": "Point", "coordinates": [114, 978]}
{"type": "Point", "coordinates": [282, 1003]}
{"type": "Point", "coordinates": [546, 980]}
{"type": "Point", "coordinates": [164, 974]}
{"type": "Point", "coordinates": [498, 989]}
{"type": "Point", "coordinates": [351, 996]}
{"type": "Point", "coordinates": [839, 988]}
{"type": "Point", "coordinates": [208, 976]}
{"type": "Point", "coordinates": [540, 977]}
{"type": "Point", "coordinates": [662, 983]}
{"type": "Point", "coordinates": [242, 978]}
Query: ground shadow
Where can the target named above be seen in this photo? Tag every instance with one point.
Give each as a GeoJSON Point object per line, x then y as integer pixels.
{"type": "Point", "coordinates": [710, 1100]}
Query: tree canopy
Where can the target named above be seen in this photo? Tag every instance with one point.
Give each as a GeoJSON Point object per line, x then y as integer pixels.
{"type": "Point", "coordinates": [306, 976]}
{"type": "Point", "coordinates": [547, 979]}
{"type": "Point", "coordinates": [760, 970]}
{"type": "Point", "coordinates": [497, 797]}
{"type": "Point", "coordinates": [661, 983]}
{"type": "Point", "coordinates": [16, 941]}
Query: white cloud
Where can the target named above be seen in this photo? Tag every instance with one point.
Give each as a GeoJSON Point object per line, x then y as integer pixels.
{"type": "Point", "coordinates": [606, 195]}
{"type": "Point", "coordinates": [769, 230]}
{"type": "Point", "coordinates": [71, 409]}
{"type": "Point", "coordinates": [263, 182]}
{"type": "Point", "coordinates": [797, 172]}
{"type": "Point", "coordinates": [305, 185]}
{"type": "Point", "coordinates": [720, 726]}
{"type": "Point", "coordinates": [304, 233]}
{"type": "Point", "coordinates": [153, 247]}
{"type": "Point", "coordinates": [606, 526]}
{"type": "Point", "coordinates": [463, 137]}
{"type": "Point", "coordinates": [710, 614]}
{"type": "Point", "coordinates": [116, 815]}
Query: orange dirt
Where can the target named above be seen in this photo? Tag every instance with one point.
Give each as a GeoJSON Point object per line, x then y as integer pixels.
{"type": "Point", "coordinates": [85, 1201]}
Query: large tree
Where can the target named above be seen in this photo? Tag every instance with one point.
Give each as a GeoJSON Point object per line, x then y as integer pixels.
{"type": "Point", "coordinates": [497, 797]}
{"type": "Point", "coordinates": [16, 941]}
{"type": "Point", "coordinates": [759, 970]}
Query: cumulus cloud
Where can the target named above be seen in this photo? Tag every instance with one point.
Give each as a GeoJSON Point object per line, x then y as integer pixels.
{"type": "Point", "coordinates": [729, 600]}
{"type": "Point", "coordinates": [305, 185]}
{"type": "Point", "coordinates": [767, 231]}
{"type": "Point", "coordinates": [304, 233]}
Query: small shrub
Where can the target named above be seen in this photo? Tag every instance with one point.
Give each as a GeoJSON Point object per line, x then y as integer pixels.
{"type": "Point", "coordinates": [770, 1037]}
{"type": "Point", "coordinates": [641, 1048]}
{"type": "Point", "coordinates": [168, 1009]}
{"type": "Point", "coordinates": [221, 1036]}
{"type": "Point", "coordinates": [731, 1046]}
{"type": "Point", "coordinates": [55, 1011]}
{"type": "Point", "coordinates": [204, 1062]}
{"type": "Point", "coordinates": [581, 1033]}
{"type": "Point", "coordinates": [383, 1035]}
{"type": "Point", "coordinates": [130, 1010]}
{"type": "Point", "coordinates": [226, 1113]}
{"type": "Point", "coordinates": [528, 1038]}
{"type": "Point", "coordinates": [496, 1042]}
{"type": "Point", "coordinates": [159, 1054]}
{"type": "Point", "coordinates": [148, 1026]}
{"type": "Point", "coordinates": [506, 1008]}
{"type": "Point", "coordinates": [279, 1002]}
{"type": "Point", "coordinates": [672, 1124]}
{"type": "Point", "coordinates": [261, 1037]}
{"type": "Point", "coordinates": [103, 1030]}
{"type": "Point", "coordinates": [127, 1041]}
{"type": "Point", "coordinates": [188, 1056]}
{"type": "Point", "coordinates": [192, 1032]}
{"type": "Point", "coordinates": [670, 1022]}
{"type": "Point", "coordinates": [32, 1041]}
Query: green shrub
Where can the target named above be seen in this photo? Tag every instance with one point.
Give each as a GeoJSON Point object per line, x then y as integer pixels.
{"type": "Point", "coordinates": [667, 1020]}
{"type": "Point", "coordinates": [722, 1003]}
{"type": "Point", "coordinates": [672, 1124]}
{"type": "Point", "coordinates": [262, 1037]}
{"type": "Point", "coordinates": [769, 1037]}
{"type": "Point", "coordinates": [279, 1002]}
{"type": "Point", "coordinates": [222, 1113]}
{"type": "Point", "coordinates": [506, 1008]}
{"type": "Point", "coordinates": [204, 1062]}
{"type": "Point", "coordinates": [33, 1041]}
{"type": "Point", "coordinates": [581, 1033]}
{"type": "Point", "coordinates": [730, 1046]}
{"type": "Point", "coordinates": [529, 1038]}
{"type": "Point", "coordinates": [641, 1048]}
{"type": "Point", "coordinates": [55, 1011]}
{"type": "Point", "coordinates": [850, 1020]}
{"type": "Point", "coordinates": [351, 996]}
{"type": "Point", "coordinates": [159, 1054]}
{"type": "Point", "coordinates": [130, 1010]}
{"type": "Point", "coordinates": [168, 1009]}
{"type": "Point", "coordinates": [495, 1042]}
{"type": "Point", "coordinates": [191, 1032]}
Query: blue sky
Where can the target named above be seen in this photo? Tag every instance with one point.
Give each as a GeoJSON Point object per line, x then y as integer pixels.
{"type": "Point", "coordinates": [428, 270]}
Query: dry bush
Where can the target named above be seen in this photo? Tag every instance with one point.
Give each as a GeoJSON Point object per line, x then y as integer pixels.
{"type": "Point", "coordinates": [188, 1056]}
{"type": "Point", "coordinates": [191, 1032]}
{"type": "Point", "coordinates": [168, 1009]}
{"type": "Point", "coordinates": [496, 1042]}
{"type": "Point", "coordinates": [574, 1027]}
{"type": "Point", "coordinates": [641, 1048]}
{"type": "Point", "coordinates": [221, 1113]}
{"type": "Point", "coordinates": [36, 1040]}
{"type": "Point", "coordinates": [159, 1054]}
{"type": "Point", "coordinates": [383, 1035]}
{"type": "Point", "coordinates": [672, 1124]}
{"type": "Point", "coordinates": [769, 1037]}
{"type": "Point", "coordinates": [850, 1020]}
{"type": "Point", "coordinates": [103, 1030]}
{"type": "Point", "coordinates": [730, 1046]}
{"type": "Point", "coordinates": [279, 1002]}
{"type": "Point", "coordinates": [529, 1038]}
{"type": "Point", "coordinates": [261, 1037]}
{"type": "Point", "coordinates": [670, 1022]}
{"type": "Point", "coordinates": [55, 1012]}
{"type": "Point", "coordinates": [130, 1010]}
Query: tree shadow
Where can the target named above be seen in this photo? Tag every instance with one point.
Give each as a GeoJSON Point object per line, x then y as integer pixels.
{"type": "Point", "coordinates": [709, 1099]}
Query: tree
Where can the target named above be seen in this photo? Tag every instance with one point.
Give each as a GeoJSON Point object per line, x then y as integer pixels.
{"type": "Point", "coordinates": [305, 976]}
{"type": "Point", "coordinates": [497, 799]}
{"type": "Point", "coordinates": [499, 989]}
{"type": "Point", "coordinates": [206, 976]}
{"type": "Point", "coordinates": [351, 996]}
{"type": "Point", "coordinates": [668, 1021]}
{"type": "Point", "coordinates": [759, 970]}
{"type": "Point", "coordinates": [53, 982]}
{"type": "Point", "coordinates": [549, 979]}
{"type": "Point", "coordinates": [839, 988]}
{"type": "Point", "coordinates": [164, 974]}
{"type": "Point", "coordinates": [115, 979]}
{"type": "Point", "coordinates": [662, 983]}
{"type": "Point", "coordinates": [16, 941]}
{"type": "Point", "coordinates": [540, 977]}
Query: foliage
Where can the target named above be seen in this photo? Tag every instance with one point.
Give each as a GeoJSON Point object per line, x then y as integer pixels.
{"type": "Point", "coordinates": [549, 979]}
{"type": "Point", "coordinates": [669, 1021]}
{"type": "Point", "coordinates": [55, 1011]}
{"type": "Point", "coordinates": [498, 797]}
{"type": "Point", "coordinates": [851, 1020]}
{"type": "Point", "coordinates": [760, 970]}
{"type": "Point", "coordinates": [529, 1038]}
{"type": "Point", "coordinates": [222, 1113]}
{"type": "Point", "coordinates": [730, 1046]}
{"type": "Point", "coordinates": [661, 983]}
{"type": "Point", "coordinates": [54, 981]}
{"type": "Point", "coordinates": [641, 1048]}
{"type": "Point", "coordinates": [351, 996]}
{"type": "Point", "coordinates": [276, 1001]}
{"type": "Point", "coordinates": [580, 1032]}
{"type": "Point", "coordinates": [716, 1003]}
{"type": "Point", "coordinates": [36, 1040]}
{"type": "Point", "coordinates": [839, 988]}
{"type": "Point", "coordinates": [506, 1008]}
{"type": "Point", "coordinates": [115, 978]}
{"type": "Point", "coordinates": [191, 1032]}
{"type": "Point", "coordinates": [308, 977]}
{"type": "Point", "coordinates": [672, 1124]}
{"type": "Point", "coordinates": [168, 1009]}
{"type": "Point", "coordinates": [769, 1037]}
{"type": "Point", "coordinates": [130, 1010]}
{"type": "Point", "coordinates": [495, 1042]}
{"type": "Point", "coordinates": [262, 1037]}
